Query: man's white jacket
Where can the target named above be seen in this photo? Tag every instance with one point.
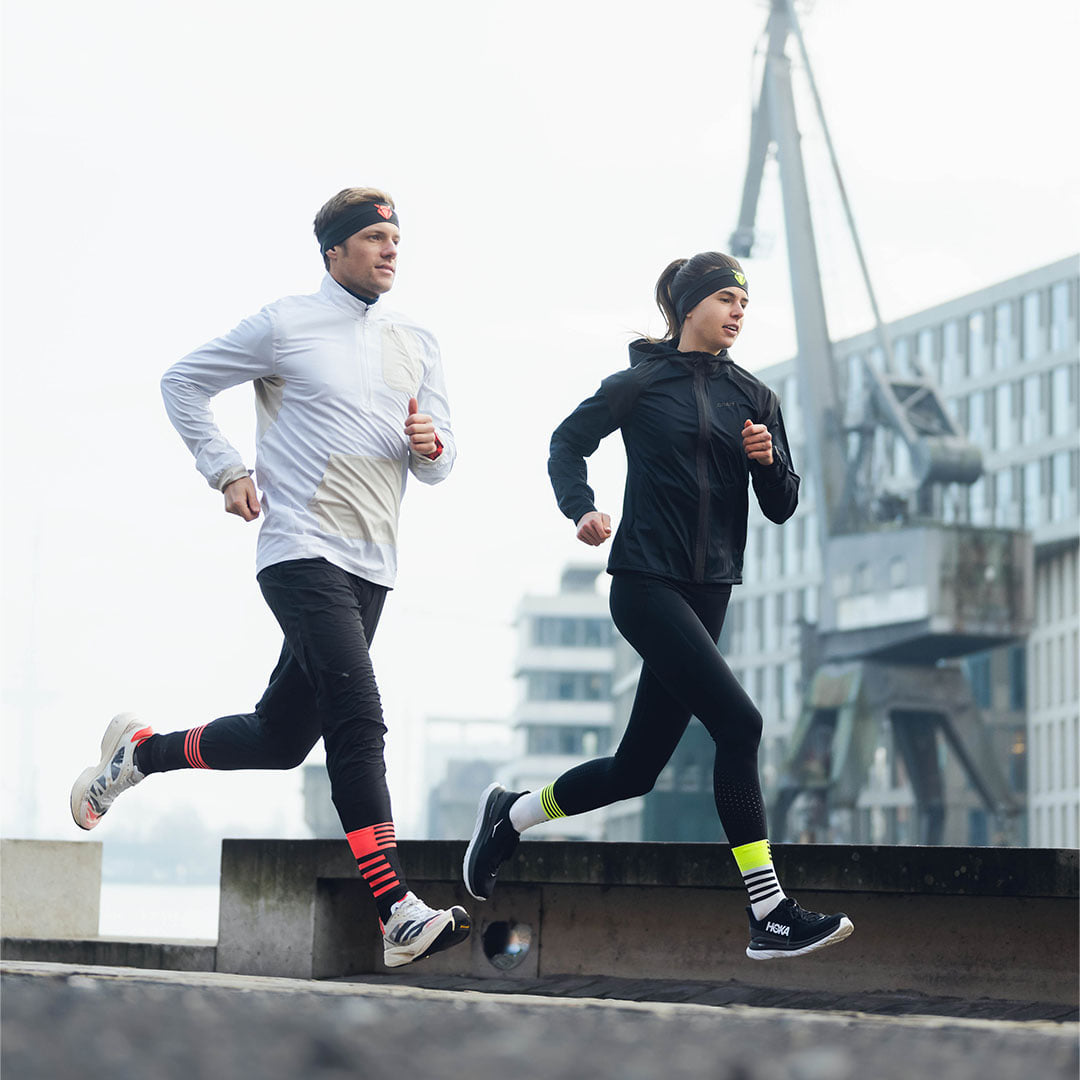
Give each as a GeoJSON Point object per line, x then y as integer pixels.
{"type": "Point", "coordinates": [333, 377]}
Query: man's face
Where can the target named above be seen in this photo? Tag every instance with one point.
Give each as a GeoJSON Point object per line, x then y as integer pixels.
{"type": "Point", "coordinates": [366, 262]}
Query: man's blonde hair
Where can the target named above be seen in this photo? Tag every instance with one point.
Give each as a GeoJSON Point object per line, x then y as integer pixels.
{"type": "Point", "coordinates": [350, 196]}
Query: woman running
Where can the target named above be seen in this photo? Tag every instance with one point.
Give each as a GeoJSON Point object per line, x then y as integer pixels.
{"type": "Point", "coordinates": [696, 428]}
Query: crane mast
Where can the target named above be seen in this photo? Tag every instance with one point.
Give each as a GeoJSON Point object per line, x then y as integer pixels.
{"type": "Point", "coordinates": [926, 591]}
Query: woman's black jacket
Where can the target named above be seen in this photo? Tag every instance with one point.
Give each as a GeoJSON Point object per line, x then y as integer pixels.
{"type": "Point", "coordinates": [685, 504]}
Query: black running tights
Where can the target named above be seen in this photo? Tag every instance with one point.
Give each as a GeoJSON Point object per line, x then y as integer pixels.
{"type": "Point", "coordinates": [674, 628]}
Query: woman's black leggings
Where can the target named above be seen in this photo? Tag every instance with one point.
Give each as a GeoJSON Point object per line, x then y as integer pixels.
{"type": "Point", "coordinates": [674, 628]}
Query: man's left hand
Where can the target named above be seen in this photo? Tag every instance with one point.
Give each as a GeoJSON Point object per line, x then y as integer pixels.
{"type": "Point", "coordinates": [420, 430]}
{"type": "Point", "coordinates": [757, 442]}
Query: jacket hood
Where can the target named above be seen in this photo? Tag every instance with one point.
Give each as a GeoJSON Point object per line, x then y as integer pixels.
{"type": "Point", "coordinates": [643, 350]}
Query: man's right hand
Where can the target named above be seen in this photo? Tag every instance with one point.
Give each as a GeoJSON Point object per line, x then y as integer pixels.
{"type": "Point", "coordinates": [241, 498]}
{"type": "Point", "coordinates": [594, 528]}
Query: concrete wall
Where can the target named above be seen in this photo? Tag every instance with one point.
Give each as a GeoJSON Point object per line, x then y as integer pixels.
{"type": "Point", "coordinates": [975, 922]}
{"type": "Point", "coordinates": [991, 923]}
{"type": "Point", "coordinates": [49, 888]}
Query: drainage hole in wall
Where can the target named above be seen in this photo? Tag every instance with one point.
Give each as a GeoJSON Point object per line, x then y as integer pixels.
{"type": "Point", "coordinates": [506, 944]}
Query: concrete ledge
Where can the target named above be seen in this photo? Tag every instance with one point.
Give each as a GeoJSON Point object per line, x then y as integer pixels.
{"type": "Point", "coordinates": [977, 922]}
{"type": "Point", "coordinates": [50, 888]}
{"type": "Point", "coordinates": [115, 952]}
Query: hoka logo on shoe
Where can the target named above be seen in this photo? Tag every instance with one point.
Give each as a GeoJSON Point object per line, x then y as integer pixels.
{"type": "Point", "coordinates": [778, 928]}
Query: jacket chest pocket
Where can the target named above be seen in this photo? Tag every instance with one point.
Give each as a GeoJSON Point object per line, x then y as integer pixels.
{"type": "Point", "coordinates": [402, 366]}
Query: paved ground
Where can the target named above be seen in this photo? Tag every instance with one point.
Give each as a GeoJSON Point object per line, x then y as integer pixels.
{"type": "Point", "coordinates": [63, 1021]}
{"type": "Point", "coordinates": [732, 992]}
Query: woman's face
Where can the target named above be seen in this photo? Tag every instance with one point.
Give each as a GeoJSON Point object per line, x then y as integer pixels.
{"type": "Point", "coordinates": [714, 323]}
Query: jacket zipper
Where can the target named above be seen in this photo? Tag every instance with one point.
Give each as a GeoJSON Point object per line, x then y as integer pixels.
{"type": "Point", "coordinates": [702, 541]}
{"type": "Point", "coordinates": [362, 358]}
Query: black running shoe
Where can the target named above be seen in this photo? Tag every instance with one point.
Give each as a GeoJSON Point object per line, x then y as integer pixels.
{"type": "Point", "coordinates": [493, 841]}
{"type": "Point", "coordinates": [789, 930]}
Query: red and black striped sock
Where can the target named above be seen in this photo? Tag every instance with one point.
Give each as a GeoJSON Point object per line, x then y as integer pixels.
{"type": "Point", "coordinates": [175, 750]}
{"type": "Point", "coordinates": [375, 850]}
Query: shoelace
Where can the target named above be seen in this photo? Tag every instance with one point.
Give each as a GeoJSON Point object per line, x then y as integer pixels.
{"type": "Point", "coordinates": [799, 912]}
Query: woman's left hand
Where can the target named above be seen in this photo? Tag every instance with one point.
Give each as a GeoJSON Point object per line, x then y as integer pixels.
{"type": "Point", "coordinates": [757, 442]}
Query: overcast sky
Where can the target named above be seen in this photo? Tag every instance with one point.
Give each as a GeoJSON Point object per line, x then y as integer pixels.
{"type": "Point", "coordinates": [162, 166]}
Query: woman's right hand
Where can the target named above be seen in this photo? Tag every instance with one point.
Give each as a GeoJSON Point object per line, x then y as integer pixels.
{"type": "Point", "coordinates": [594, 528]}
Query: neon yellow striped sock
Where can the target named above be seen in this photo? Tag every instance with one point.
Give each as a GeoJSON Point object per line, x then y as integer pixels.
{"type": "Point", "coordinates": [756, 866]}
{"type": "Point", "coordinates": [534, 808]}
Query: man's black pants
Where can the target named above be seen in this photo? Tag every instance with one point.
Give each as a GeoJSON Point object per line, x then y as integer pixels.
{"type": "Point", "coordinates": [322, 687]}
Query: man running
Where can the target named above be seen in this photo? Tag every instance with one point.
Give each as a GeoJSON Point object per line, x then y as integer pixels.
{"type": "Point", "coordinates": [350, 399]}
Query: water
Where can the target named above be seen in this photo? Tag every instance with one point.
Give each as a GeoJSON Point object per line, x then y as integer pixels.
{"type": "Point", "coordinates": [159, 912]}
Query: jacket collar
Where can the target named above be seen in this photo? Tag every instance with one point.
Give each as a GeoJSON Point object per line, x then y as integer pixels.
{"type": "Point", "coordinates": [342, 298]}
{"type": "Point", "coordinates": [643, 350]}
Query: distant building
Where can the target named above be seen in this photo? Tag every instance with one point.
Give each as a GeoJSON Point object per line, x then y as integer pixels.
{"type": "Point", "coordinates": [461, 757]}
{"type": "Point", "coordinates": [564, 668]}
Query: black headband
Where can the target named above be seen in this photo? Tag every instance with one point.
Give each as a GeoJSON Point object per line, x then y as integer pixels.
{"type": "Point", "coordinates": [352, 220]}
{"type": "Point", "coordinates": [713, 281]}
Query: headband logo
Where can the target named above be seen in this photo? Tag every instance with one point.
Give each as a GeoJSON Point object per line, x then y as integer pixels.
{"type": "Point", "coordinates": [383, 211]}
{"type": "Point", "coordinates": [740, 278]}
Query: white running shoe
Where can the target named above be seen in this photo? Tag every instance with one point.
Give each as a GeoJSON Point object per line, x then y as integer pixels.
{"type": "Point", "coordinates": [414, 930]}
{"type": "Point", "coordinates": [97, 787]}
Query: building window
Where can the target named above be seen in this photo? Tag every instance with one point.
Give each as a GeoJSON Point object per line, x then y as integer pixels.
{"type": "Point", "coordinates": [569, 741]}
{"type": "Point", "coordinates": [977, 430]}
{"type": "Point", "coordinates": [1005, 411]}
{"type": "Point", "coordinates": [1033, 328]}
{"type": "Point", "coordinates": [954, 367]}
{"type": "Point", "coordinates": [1032, 428]}
{"type": "Point", "coordinates": [735, 619]}
{"type": "Point", "coordinates": [1059, 486]}
{"type": "Point", "coordinates": [568, 686]}
{"type": "Point", "coordinates": [978, 668]}
{"type": "Point", "coordinates": [927, 354]}
{"type": "Point", "coordinates": [1003, 333]}
{"type": "Point", "coordinates": [572, 632]}
{"type": "Point", "coordinates": [1017, 678]}
{"type": "Point", "coordinates": [980, 514]}
{"type": "Point", "coordinates": [977, 351]}
{"type": "Point", "coordinates": [1059, 317]}
{"type": "Point", "coordinates": [1033, 495]}
{"type": "Point", "coordinates": [1006, 511]}
{"type": "Point", "coordinates": [1063, 400]}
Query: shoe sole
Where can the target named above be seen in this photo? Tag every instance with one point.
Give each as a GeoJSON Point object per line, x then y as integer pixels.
{"type": "Point", "coordinates": [839, 934]}
{"type": "Point", "coordinates": [436, 936]}
{"type": "Point", "coordinates": [110, 743]}
{"type": "Point", "coordinates": [486, 800]}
